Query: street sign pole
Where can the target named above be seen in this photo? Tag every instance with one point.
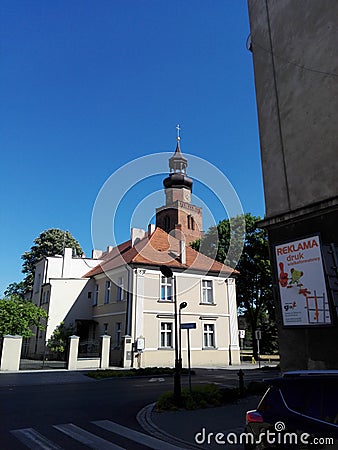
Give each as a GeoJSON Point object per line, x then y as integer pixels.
{"type": "Point", "coordinates": [189, 365]}
{"type": "Point", "coordinates": [241, 342]}
{"type": "Point", "coordinates": [188, 326]}
{"type": "Point", "coordinates": [258, 336]}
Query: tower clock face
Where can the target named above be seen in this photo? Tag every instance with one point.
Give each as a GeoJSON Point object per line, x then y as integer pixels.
{"type": "Point", "coordinates": [186, 196]}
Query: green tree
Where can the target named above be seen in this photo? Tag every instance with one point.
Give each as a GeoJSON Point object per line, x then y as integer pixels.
{"type": "Point", "coordinates": [17, 289]}
{"type": "Point", "coordinates": [59, 339]}
{"type": "Point", "coordinates": [18, 316]}
{"type": "Point", "coordinates": [254, 284]}
{"type": "Point", "coordinates": [49, 243]}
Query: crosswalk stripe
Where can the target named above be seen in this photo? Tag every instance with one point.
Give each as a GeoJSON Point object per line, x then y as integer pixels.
{"type": "Point", "coordinates": [83, 436]}
{"type": "Point", "coordinates": [136, 436]}
{"type": "Point", "coordinates": [34, 440]}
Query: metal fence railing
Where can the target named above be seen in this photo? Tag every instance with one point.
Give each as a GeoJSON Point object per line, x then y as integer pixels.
{"type": "Point", "coordinates": [89, 348]}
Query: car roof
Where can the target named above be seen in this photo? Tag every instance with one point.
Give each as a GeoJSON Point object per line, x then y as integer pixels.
{"type": "Point", "coordinates": [302, 374]}
{"type": "Point", "coordinates": [310, 373]}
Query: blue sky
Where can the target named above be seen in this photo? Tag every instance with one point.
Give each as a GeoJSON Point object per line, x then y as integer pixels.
{"type": "Point", "coordinates": [87, 87]}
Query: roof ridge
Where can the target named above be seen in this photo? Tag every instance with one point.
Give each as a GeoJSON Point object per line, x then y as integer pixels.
{"type": "Point", "coordinates": [160, 241]}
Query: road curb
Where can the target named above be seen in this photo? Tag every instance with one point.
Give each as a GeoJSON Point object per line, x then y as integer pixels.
{"type": "Point", "coordinates": [145, 421]}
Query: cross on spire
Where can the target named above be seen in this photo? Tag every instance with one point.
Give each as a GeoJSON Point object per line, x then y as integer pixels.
{"type": "Point", "coordinates": [178, 132]}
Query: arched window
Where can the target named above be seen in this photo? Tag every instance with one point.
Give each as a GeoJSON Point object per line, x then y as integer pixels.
{"type": "Point", "coordinates": [191, 223]}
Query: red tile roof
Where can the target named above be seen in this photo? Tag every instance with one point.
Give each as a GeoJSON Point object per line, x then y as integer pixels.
{"type": "Point", "coordinates": [159, 249]}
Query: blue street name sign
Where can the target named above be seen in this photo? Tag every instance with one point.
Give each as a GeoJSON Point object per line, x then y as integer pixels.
{"type": "Point", "coordinates": [188, 326]}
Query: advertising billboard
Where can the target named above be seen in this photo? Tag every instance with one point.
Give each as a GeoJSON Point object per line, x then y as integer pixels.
{"type": "Point", "coordinates": [301, 283]}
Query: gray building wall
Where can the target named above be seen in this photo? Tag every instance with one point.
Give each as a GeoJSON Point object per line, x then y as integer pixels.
{"type": "Point", "coordinates": [294, 47]}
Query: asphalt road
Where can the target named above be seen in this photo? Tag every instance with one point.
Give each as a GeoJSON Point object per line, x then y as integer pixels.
{"type": "Point", "coordinates": [41, 407]}
{"type": "Point", "coordinates": [42, 411]}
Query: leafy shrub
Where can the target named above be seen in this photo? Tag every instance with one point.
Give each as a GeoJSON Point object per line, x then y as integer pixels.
{"type": "Point", "coordinates": [147, 371]}
{"type": "Point", "coordinates": [166, 402]}
{"type": "Point", "coordinates": [201, 396]}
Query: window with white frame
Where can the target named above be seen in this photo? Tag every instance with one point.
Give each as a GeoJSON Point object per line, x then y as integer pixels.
{"type": "Point", "coordinates": [166, 337]}
{"type": "Point", "coordinates": [118, 330]}
{"type": "Point", "coordinates": [96, 295]}
{"type": "Point", "coordinates": [166, 289]}
{"type": "Point", "coordinates": [107, 293]}
{"type": "Point", "coordinates": [120, 289]}
{"type": "Point", "coordinates": [208, 335]}
{"type": "Point", "coordinates": [207, 292]}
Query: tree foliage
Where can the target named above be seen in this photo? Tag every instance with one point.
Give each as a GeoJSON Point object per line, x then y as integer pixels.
{"type": "Point", "coordinates": [49, 243]}
{"type": "Point", "coordinates": [17, 289]}
{"type": "Point", "coordinates": [18, 316]}
{"type": "Point", "coordinates": [254, 284]}
{"type": "Point", "coordinates": [59, 339]}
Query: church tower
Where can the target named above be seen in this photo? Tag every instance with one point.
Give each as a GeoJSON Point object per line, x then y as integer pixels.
{"type": "Point", "coordinates": [178, 215]}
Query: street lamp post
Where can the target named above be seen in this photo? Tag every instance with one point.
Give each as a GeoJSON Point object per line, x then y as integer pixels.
{"type": "Point", "coordinates": [168, 273]}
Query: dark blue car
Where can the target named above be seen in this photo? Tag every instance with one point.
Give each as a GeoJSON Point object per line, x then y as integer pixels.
{"type": "Point", "coordinates": [299, 410]}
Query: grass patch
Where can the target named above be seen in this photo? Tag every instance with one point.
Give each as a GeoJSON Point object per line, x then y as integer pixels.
{"type": "Point", "coordinates": [148, 371]}
{"type": "Point", "coordinates": [203, 396]}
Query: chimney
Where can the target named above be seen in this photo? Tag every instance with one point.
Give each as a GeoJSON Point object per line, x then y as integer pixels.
{"type": "Point", "coordinates": [96, 254]}
{"type": "Point", "coordinates": [67, 262]}
{"type": "Point", "coordinates": [136, 234]}
{"type": "Point", "coordinates": [183, 252]}
{"type": "Point", "coordinates": [177, 232]}
{"type": "Point", "coordinates": [151, 228]}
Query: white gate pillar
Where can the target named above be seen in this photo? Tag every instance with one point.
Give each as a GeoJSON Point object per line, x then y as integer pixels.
{"type": "Point", "coordinates": [11, 352]}
{"type": "Point", "coordinates": [105, 351]}
{"type": "Point", "coordinates": [127, 351]}
{"type": "Point", "coordinates": [73, 352]}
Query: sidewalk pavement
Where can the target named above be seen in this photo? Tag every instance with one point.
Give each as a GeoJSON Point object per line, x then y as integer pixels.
{"type": "Point", "coordinates": [245, 365]}
{"type": "Point", "coordinates": [198, 429]}
{"type": "Point", "coordinates": [38, 377]}
{"type": "Point", "coordinates": [57, 376]}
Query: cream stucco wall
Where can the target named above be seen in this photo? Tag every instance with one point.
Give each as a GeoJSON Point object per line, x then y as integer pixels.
{"type": "Point", "coordinates": [111, 316]}
{"type": "Point", "coordinates": [150, 311]}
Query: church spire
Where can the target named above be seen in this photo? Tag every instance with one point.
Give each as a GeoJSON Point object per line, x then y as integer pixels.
{"type": "Point", "coordinates": [177, 163]}
{"type": "Point", "coordinates": [179, 215]}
